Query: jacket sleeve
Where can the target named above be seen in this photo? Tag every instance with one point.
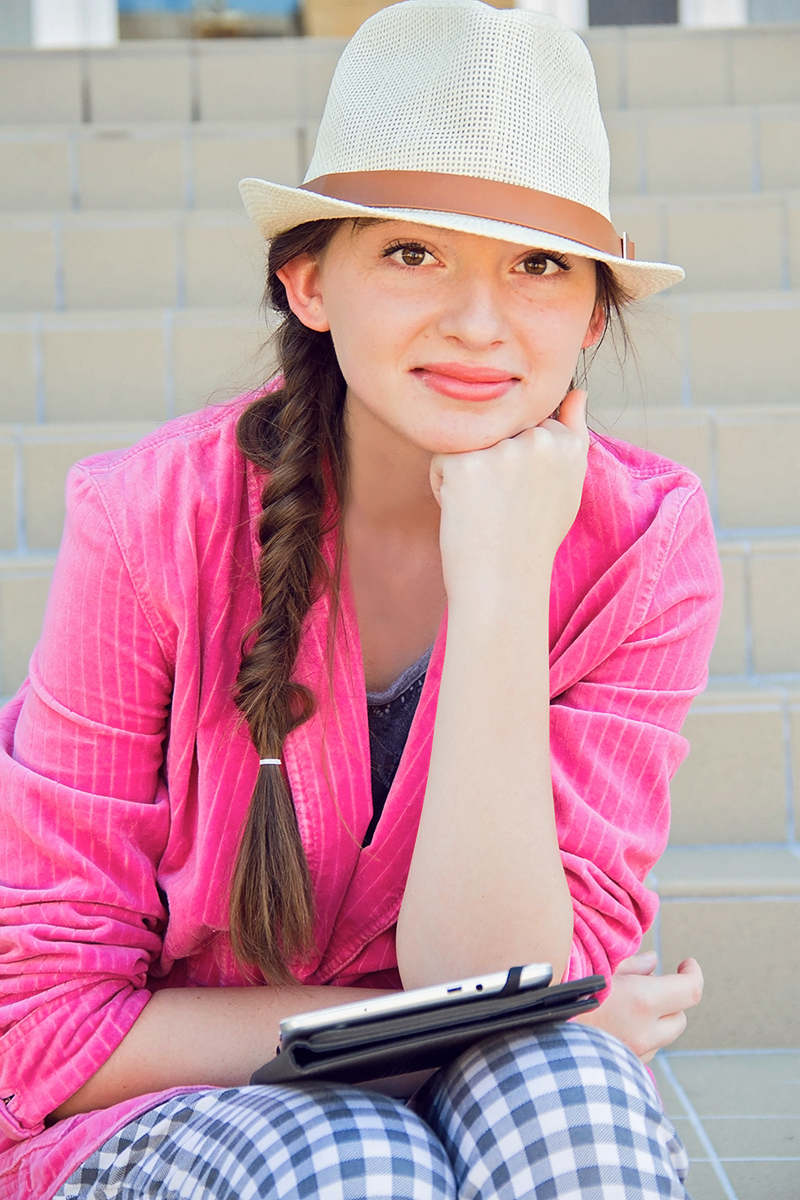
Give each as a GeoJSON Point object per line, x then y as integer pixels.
{"type": "Point", "coordinates": [615, 735]}
{"type": "Point", "coordinates": [83, 822]}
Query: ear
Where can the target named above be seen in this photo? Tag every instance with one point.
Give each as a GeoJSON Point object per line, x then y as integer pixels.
{"type": "Point", "coordinates": [301, 278]}
{"type": "Point", "coordinates": [596, 328]}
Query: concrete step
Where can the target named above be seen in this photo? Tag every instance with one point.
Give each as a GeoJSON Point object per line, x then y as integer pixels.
{"type": "Point", "coordinates": [129, 260]}
{"type": "Point", "coordinates": [694, 349]}
{"type": "Point", "coordinates": [731, 351]}
{"type": "Point", "coordinates": [737, 1113]}
{"type": "Point", "coordinates": [747, 458]}
{"type": "Point", "coordinates": [159, 258]}
{"type": "Point", "coordinates": [113, 166]}
{"type": "Point", "coordinates": [24, 584]}
{"type": "Point", "coordinates": [668, 66]}
{"type": "Point", "coordinates": [205, 80]}
{"type": "Point", "coordinates": [736, 148]}
{"type": "Point", "coordinates": [264, 78]}
{"type": "Point", "coordinates": [715, 900]}
{"type": "Point", "coordinates": [134, 365]}
{"type": "Point", "coordinates": [747, 148]}
{"type": "Point", "coordinates": [723, 241]}
{"type": "Point", "coordinates": [741, 781]}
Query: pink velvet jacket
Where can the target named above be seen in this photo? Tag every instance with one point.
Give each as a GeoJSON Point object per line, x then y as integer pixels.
{"type": "Point", "coordinates": [125, 773]}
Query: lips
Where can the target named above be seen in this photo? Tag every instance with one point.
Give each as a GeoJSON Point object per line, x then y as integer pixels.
{"type": "Point", "coordinates": [465, 381]}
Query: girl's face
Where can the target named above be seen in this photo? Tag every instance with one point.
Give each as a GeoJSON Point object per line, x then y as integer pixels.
{"type": "Point", "coordinates": [450, 341]}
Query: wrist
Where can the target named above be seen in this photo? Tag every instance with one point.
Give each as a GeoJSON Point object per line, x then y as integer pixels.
{"type": "Point", "coordinates": [487, 601]}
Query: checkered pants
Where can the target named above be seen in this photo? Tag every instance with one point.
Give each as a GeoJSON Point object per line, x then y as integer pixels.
{"type": "Point", "coordinates": [569, 1114]}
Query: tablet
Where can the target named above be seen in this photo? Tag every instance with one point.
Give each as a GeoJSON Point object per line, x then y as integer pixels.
{"type": "Point", "coordinates": [387, 1042]}
{"type": "Point", "coordinates": [398, 1004]}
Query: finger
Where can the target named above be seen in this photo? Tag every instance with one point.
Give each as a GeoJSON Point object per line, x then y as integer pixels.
{"type": "Point", "coordinates": [690, 971]}
{"type": "Point", "coordinates": [572, 412]}
{"type": "Point", "coordinates": [669, 1028]}
{"type": "Point", "coordinates": [674, 993]}
{"type": "Point", "coordinates": [638, 964]}
{"type": "Point", "coordinates": [667, 1031]}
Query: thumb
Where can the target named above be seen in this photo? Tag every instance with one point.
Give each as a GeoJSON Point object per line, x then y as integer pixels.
{"type": "Point", "coordinates": [639, 964]}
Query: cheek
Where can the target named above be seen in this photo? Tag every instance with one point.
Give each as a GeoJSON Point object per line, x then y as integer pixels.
{"type": "Point", "coordinates": [554, 336]}
{"type": "Point", "coordinates": [373, 330]}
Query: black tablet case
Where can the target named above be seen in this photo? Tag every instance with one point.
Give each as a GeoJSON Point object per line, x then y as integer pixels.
{"type": "Point", "coordinates": [423, 1040]}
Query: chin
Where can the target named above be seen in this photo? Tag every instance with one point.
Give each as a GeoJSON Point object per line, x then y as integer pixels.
{"type": "Point", "coordinates": [462, 441]}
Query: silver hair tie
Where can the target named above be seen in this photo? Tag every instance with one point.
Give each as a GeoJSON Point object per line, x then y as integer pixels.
{"type": "Point", "coordinates": [269, 762]}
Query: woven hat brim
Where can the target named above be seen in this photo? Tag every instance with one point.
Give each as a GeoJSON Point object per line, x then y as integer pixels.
{"type": "Point", "coordinates": [276, 208]}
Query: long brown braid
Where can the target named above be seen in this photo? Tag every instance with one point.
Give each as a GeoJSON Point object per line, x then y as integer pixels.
{"type": "Point", "coordinates": [296, 434]}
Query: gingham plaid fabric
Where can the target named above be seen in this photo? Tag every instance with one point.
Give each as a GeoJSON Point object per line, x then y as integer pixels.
{"type": "Point", "coordinates": [242, 1143]}
{"type": "Point", "coordinates": [567, 1115]}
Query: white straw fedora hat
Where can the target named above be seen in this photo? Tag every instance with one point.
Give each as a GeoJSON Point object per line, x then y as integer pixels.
{"type": "Point", "coordinates": [456, 114]}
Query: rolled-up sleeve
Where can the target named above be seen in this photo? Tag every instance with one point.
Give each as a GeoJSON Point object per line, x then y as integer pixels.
{"type": "Point", "coordinates": [615, 736]}
{"type": "Point", "coordinates": [84, 820]}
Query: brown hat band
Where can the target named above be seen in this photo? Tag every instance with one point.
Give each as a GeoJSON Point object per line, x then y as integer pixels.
{"type": "Point", "coordinates": [471, 197]}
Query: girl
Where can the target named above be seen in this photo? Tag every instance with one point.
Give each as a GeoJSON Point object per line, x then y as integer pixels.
{"type": "Point", "coordinates": [369, 680]}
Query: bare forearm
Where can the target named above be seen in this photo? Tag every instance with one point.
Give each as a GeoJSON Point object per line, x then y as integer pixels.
{"type": "Point", "coordinates": [186, 1036]}
{"type": "Point", "coordinates": [486, 887]}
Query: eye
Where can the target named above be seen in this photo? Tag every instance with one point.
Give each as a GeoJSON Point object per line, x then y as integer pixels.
{"type": "Point", "coordinates": [544, 264]}
{"type": "Point", "coordinates": [410, 254]}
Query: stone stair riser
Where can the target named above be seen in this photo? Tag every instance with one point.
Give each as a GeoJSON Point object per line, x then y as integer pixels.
{"type": "Point", "coordinates": [287, 77]}
{"type": "Point", "coordinates": [139, 262]}
{"type": "Point", "coordinates": [157, 259]}
{"type": "Point", "coordinates": [23, 594]}
{"type": "Point", "coordinates": [701, 350]}
{"type": "Point", "coordinates": [752, 149]}
{"type": "Point", "coordinates": [693, 352]}
{"type": "Point", "coordinates": [284, 78]}
{"type": "Point", "coordinates": [750, 955]}
{"type": "Point", "coordinates": [148, 167]}
{"type": "Point", "coordinates": [131, 366]}
{"type": "Point", "coordinates": [736, 786]}
{"type": "Point", "coordinates": [735, 909]}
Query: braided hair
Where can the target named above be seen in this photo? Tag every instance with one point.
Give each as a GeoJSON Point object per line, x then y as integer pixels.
{"type": "Point", "coordinates": [296, 434]}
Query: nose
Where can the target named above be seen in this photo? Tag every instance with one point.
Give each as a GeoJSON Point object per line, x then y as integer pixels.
{"type": "Point", "coordinates": [472, 310]}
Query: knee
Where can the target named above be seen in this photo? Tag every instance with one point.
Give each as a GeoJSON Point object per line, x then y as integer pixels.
{"type": "Point", "coordinates": [566, 1111]}
{"type": "Point", "coordinates": [562, 1058]}
{"type": "Point", "coordinates": [373, 1145]}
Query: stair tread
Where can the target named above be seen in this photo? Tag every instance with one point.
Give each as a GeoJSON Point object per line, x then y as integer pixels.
{"type": "Point", "coordinates": [728, 871]}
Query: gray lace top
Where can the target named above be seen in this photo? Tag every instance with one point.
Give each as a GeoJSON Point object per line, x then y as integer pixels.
{"type": "Point", "coordinates": [389, 715]}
